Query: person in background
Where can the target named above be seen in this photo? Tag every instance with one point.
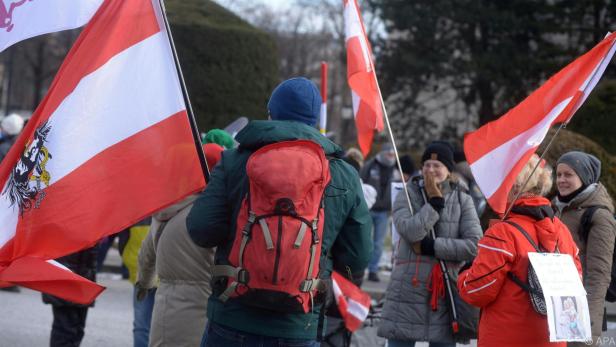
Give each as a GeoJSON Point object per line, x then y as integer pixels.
{"type": "Point", "coordinates": [414, 310]}
{"type": "Point", "coordinates": [379, 173]}
{"type": "Point", "coordinates": [356, 160]}
{"type": "Point", "coordinates": [10, 127]}
{"type": "Point", "coordinates": [356, 155]}
{"type": "Point", "coordinates": [408, 167]}
{"type": "Point", "coordinates": [463, 173]}
{"type": "Point", "coordinates": [183, 269]}
{"type": "Point", "coordinates": [219, 137]}
{"type": "Point", "coordinates": [142, 309]}
{"type": "Point", "coordinates": [508, 318]}
{"type": "Point", "coordinates": [579, 194]}
{"type": "Point", "coordinates": [103, 248]}
{"type": "Point", "coordinates": [69, 319]}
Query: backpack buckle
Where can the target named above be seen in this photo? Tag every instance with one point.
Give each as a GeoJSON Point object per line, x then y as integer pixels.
{"type": "Point", "coordinates": [251, 220]}
{"type": "Point", "coordinates": [242, 276]}
{"type": "Point", "coordinates": [252, 217]}
{"type": "Point", "coordinates": [315, 229]}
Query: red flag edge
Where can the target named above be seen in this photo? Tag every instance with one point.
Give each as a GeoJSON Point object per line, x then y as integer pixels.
{"type": "Point", "coordinates": [43, 276]}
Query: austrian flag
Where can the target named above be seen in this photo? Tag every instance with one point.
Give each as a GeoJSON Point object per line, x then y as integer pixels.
{"type": "Point", "coordinates": [498, 150]}
{"type": "Point", "coordinates": [110, 144]}
{"type": "Point", "coordinates": [361, 76]}
{"type": "Point", "coordinates": [353, 303]}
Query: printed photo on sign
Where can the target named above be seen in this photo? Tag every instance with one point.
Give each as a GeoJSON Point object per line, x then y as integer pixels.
{"type": "Point", "coordinates": [570, 318]}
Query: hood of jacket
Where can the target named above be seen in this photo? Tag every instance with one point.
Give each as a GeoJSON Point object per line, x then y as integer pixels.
{"type": "Point", "coordinates": [171, 211]}
{"type": "Point", "coordinates": [538, 210]}
{"type": "Point", "coordinates": [260, 133]}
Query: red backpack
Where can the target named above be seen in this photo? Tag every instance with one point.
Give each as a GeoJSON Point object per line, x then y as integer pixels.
{"type": "Point", "coordinates": [274, 260]}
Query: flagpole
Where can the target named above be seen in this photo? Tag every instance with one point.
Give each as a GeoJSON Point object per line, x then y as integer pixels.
{"type": "Point", "coordinates": [545, 151]}
{"type": "Point", "coordinates": [189, 109]}
{"type": "Point", "coordinates": [391, 136]}
{"type": "Point", "coordinates": [323, 119]}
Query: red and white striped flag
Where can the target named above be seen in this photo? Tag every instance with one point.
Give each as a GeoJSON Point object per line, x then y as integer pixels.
{"type": "Point", "coordinates": [353, 303]}
{"type": "Point", "coordinates": [361, 76]}
{"type": "Point", "coordinates": [110, 144]}
{"type": "Point", "coordinates": [23, 19]}
{"type": "Point", "coordinates": [498, 150]}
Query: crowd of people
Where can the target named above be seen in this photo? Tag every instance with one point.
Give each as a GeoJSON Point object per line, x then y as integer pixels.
{"type": "Point", "coordinates": [248, 261]}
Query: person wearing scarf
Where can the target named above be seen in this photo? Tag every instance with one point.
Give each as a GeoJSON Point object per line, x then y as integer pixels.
{"type": "Point", "coordinates": [416, 308]}
{"type": "Point", "coordinates": [577, 181]}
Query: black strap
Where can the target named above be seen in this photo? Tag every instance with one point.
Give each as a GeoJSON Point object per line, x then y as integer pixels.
{"type": "Point", "coordinates": [586, 220]}
{"type": "Point", "coordinates": [512, 276]}
{"type": "Point", "coordinates": [530, 239]}
{"type": "Point", "coordinates": [522, 284]}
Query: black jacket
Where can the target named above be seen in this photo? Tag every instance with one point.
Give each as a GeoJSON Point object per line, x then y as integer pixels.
{"type": "Point", "coordinates": [83, 263]}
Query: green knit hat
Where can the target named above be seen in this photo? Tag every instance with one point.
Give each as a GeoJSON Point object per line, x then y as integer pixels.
{"type": "Point", "coordinates": [219, 137]}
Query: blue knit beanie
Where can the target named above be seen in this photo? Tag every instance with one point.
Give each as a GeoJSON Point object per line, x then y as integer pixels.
{"type": "Point", "coordinates": [296, 99]}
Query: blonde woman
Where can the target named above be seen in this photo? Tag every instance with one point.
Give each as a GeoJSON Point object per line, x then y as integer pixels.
{"type": "Point", "coordinates": [508, 318]}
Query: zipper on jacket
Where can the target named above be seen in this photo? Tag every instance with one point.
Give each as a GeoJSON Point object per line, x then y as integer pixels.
{"type": "Point", "coordinates": [275, 276]}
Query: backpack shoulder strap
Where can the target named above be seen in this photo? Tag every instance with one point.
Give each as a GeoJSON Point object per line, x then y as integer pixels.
{"type": "Point", "coordinates": [586, 220]}
{"type": "Point", "coordinates": [530, 239]}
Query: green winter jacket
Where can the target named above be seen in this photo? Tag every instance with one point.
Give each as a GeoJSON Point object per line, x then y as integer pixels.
{"type": "Point", "coordinates": [212, 223]}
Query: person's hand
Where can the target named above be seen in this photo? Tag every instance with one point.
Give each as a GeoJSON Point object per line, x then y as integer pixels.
{"type": "Point", "coordinates": [431, 187]}
{"type": "Point", "coordinates": [141, 292]}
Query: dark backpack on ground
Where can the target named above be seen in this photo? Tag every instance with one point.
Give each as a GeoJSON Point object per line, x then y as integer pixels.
{"type": "Point", "coordinates": [274, 263]}
{"type": "Point", "coordinates": [532, 286]}
{"type": "Point", "coordinates": [586, 224]}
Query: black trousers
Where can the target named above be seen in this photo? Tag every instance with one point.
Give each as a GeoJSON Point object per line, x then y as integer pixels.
{"type": "Point", "coordinates": [68, 326]}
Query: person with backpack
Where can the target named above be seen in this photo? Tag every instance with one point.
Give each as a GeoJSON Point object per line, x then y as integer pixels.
{"type": "Point", "coordinates": [586, 208]}
{"type": "Point", "coordinates": [498, 280]}
{"type": "Point", "coordinates": [284, 210]}
{"type": "Point", "coordinates": [414, 308]}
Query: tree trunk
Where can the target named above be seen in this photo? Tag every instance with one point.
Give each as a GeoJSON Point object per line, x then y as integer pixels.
{"type": "Point", "coordinates": [486, 101]}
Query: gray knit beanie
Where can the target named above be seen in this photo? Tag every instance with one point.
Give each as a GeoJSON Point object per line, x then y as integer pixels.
{"type": "Point", "coordinates": [586, 166]}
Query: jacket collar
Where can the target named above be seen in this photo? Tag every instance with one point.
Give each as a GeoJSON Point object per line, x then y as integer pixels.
{"type": "Point", "coordinates": [260, 133]}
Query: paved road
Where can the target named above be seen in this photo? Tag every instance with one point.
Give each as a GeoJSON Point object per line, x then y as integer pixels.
{"type": "Point", "coordinates": [26, 322]}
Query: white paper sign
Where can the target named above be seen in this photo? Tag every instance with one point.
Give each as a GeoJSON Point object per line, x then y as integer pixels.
{"type": "Point", "coordinates": [565, 297]}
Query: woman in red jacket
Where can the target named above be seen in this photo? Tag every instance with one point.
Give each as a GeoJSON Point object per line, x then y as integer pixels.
{"type": "Point", "coordinates": [508, 318]}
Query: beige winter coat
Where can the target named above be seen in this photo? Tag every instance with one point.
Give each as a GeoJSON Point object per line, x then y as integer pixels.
{"type": "Point", "coordinates": [596, 253]}
{"type": "Point", "coordinates": [184, 270]}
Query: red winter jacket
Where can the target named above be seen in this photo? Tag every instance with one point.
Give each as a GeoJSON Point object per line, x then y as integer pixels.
{"type": "Point", "coordinates": [508, 318]}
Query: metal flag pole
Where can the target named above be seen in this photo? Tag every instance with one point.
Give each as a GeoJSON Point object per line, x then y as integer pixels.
{"type": "Point", "coordinates": [323, 119]}
{"type": "Point", "coordinates": [545, 151]}
{"type": "Point", "coordinates": [189, 109]}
